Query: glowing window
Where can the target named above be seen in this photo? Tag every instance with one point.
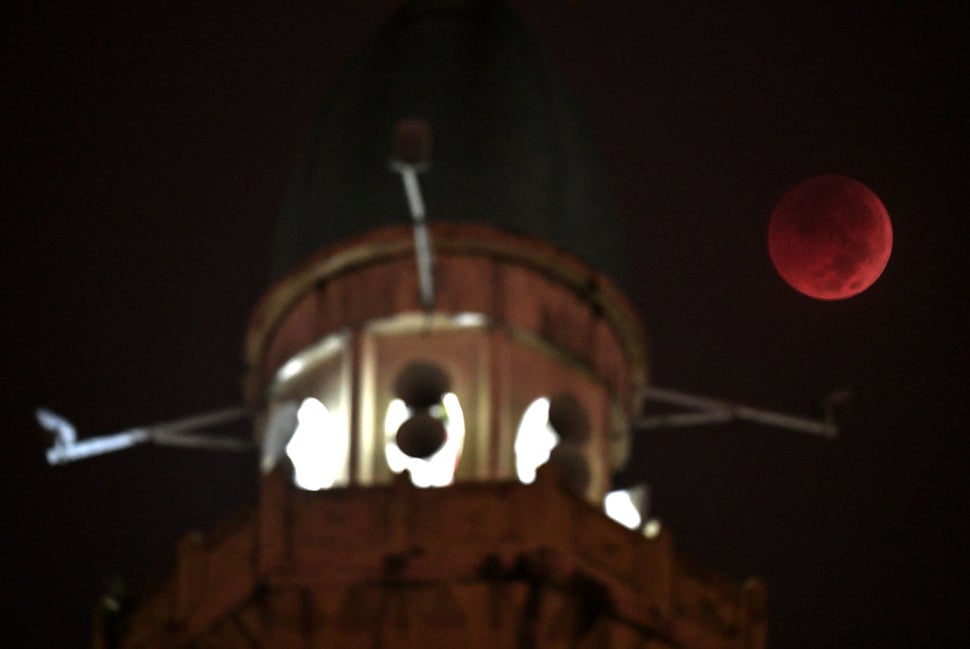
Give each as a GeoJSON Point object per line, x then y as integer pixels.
{"type": "Point", "coordinates": [534, 440]}
{"type": "Point", "coordinates": [308, 415]}
{"type": "Point", "coordinates": [619, 506]}
{"type": "Point", "coordinates": [438, 470]}
{"type": "Point", "coordinates": [318, 447]}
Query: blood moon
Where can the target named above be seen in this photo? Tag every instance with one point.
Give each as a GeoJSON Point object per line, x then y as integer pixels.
{"type": "Point", "coordinates": [830, 237]}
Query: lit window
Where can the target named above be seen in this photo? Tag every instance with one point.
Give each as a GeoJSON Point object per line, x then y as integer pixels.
{"type": "Point", "coordinates": [307, 419]}
{"type": "Point", "coordinates": [619, 506]}
{"type": "Point", "coordinates": [437, 470]}
{"type": "Point", "coordinates": [534, 440]}
{"type": "Point", "coordinates": [318, 448]}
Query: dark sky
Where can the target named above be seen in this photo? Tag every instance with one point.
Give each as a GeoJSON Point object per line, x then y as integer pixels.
{"type": "Point", "coordinates": [145, 154]}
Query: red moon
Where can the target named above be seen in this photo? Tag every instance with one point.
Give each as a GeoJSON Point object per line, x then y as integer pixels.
{"type": "Point", "coordinates": [830, 237]}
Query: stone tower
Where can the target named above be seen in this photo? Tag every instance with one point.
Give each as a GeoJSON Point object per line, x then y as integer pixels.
{"type": "Point", "coordinates": [440, 406]}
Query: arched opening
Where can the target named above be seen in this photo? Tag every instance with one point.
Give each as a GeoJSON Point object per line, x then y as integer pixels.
{"type": "Point", "coordinates": [317, 448]}
{"type": "Point", "coordinates": [534, 440]}
{"type": "Point", "coordinates": [438, 468]}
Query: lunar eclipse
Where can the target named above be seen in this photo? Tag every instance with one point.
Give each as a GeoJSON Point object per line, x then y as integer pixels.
{"type": "Point", "coordinates": [830, 237]}
{"type": "Point", "coordinates": [707, 115]}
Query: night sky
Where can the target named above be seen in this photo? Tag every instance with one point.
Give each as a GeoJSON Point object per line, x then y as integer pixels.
{"type": "Point", "coordinates": [146, 151]}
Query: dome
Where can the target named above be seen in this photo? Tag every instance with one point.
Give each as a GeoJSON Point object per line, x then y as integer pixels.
{"type": "Point", "coordinates": [508, 147]}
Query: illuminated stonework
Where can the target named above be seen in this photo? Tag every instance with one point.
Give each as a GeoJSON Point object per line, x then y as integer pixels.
{"type": "Point", "coordinates": [539, 324]}
{"type": "Point", "coordinates": [475, 565]}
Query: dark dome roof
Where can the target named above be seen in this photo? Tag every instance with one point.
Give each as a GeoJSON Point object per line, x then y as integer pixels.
{"type": "Point", "coordinates": [508, 146]}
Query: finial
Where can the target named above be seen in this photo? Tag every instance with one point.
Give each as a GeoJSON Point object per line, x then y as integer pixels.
{"type": "Point", "coordinates": [411, 151]}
